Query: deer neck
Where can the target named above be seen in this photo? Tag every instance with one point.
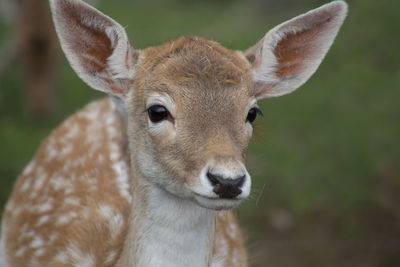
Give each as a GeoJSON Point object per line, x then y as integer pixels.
{"type": "Point", "coordinates": [166, 230]}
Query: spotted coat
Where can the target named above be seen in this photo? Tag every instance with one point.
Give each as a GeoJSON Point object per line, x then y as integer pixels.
{"type": "Point", "coordinates": [71, 204]}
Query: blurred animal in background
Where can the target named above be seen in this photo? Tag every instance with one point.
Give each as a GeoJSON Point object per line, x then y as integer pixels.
{"type": "Point", "coordinates": [32, 44]}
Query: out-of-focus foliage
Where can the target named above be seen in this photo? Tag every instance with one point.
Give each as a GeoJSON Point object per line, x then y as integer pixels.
{"type": "Point", "coordinates": [324, 160]}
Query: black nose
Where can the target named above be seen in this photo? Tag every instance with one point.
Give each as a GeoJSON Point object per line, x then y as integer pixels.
{"type": "Point", "coordinates": [226, 188]}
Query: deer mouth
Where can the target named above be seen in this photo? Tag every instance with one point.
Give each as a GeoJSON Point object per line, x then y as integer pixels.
{"type": "Point", "coordinates": [217, 203]}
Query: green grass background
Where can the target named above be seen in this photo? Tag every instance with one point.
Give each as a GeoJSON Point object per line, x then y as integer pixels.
{"type": "Point", "coordinates": [324, 160]}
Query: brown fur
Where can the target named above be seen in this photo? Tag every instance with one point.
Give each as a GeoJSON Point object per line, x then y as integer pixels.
{"type": "Point", "coordinates": [210, 70]}
{"type": "Point", "coordinates": [88, 231]}
{"type": "Point", "coordinates": [193, 70]}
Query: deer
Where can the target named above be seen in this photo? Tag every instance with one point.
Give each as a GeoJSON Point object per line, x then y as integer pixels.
{"type": "Point", "coordinates": [149, 175]}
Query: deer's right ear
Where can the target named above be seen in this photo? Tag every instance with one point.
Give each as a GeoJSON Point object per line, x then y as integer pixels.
{"type": "Point", "coordinates": [95, 45]}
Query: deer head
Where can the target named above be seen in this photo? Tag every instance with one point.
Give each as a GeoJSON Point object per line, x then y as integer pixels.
{"type": "Point", "coordinates": [189, 104]}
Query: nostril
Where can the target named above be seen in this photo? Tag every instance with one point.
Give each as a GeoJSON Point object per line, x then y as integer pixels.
{"type": "Point", "coordinates": [240, 181]}
{"type": "Point", "coordinates": [226, 187]}
{"type": "Point", "coordinates": [214, 179]}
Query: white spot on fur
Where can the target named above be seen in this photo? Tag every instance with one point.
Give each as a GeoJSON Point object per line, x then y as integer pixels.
{"type": "Point", "coordinates": [231, 230]}
{"type": "Point", "coordinates": [111, 256]}
{"type": "Point", "coordinates": [114, 155]}
{"type": "Point", "coordinates": [93, 135]}
{"type": "Point", "coordinates": [43, 219]}
{"type": "Point", "coordinates": [66, 150]}
{"type": "Point", "coordinates": [114, 150]}
{"type": "Point", "coordinates": [45, 207]}
{"type": "Point", "coordinates": [112, 132]}
{"type": "Point", "coordinates": [63, 219]}
{"type": "Point", "coordinates": [17, 210]}
{"type": "Point", "coordinates": [10, 207]}
{"type": "Point", "coordinates": [61, 257]}
{"type": "Point", "coordinates": [91, 180]}
{"type": "Point", "coordinates": [92, 114]}
{"type": "Point", "coordinates": [235, 257]}
{"type": "Point", "coordinates": [115, 220]}
{"type": "Point", "coordinates": [121, 170]}
{"type": "Point", "coordinates": [29, 168]}
{"type": "Point", "coordinates": [66, 218]}
{"type": "Point", "coordinates": [115, 225]}
{"type": "Point", "coordinates": [26, 235]}
{"type": "Point", "coordinates": [106, 211]}
{"type": "Point", "coordinates": [25, 186]}
{"type": "Point", "coordinates": [39, 182]}
{"type": "Point", "coordinates": [80, 161]}
{"type": "Point", "coordinates": [33, 195]}
{"type": "Point", "coordinates": [79, 258]}
{"type": "Point", "coordinates": [39, 252]}
{"type": "Point", "coordinates": [53, 237]}
{"type": "Point", "coordinates": [37, 242]}
{"type": "Point", "coordinates": [51, 150]}
{"type": "Point", "coordinates": [110, 120]}
{"type": "Point", "coordinates": [72, 201]}
{"type": "Point", "coordinates": [223, 247]}
{"type": "Point", "coordinates": [20, 251]}
{"type": "Point", "coordinates": [69, 190]}
{"type": "Point", "coordinates": [73, 132]}
{"type": "Point", "coordinates": [33, 262]}
{"type": "Point", "coordinates": [60, 182]}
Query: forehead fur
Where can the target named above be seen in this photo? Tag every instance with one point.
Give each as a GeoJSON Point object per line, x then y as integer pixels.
{"type": "Point", "coordinates": [196, 63]}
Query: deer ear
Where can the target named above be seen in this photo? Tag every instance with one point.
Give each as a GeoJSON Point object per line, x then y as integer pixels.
{"type": "Point", "coordinates": [95, 45]}
{"type": "Point", "coordinates": [291, 52]}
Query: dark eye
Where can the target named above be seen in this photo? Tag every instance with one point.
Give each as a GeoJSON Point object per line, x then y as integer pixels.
{"type": "Point", "coordinates": [157, 113]}
{"type": "Point", "coordinates": [252, 115]}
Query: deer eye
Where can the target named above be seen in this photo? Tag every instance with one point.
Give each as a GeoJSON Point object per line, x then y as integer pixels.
{"type": "Point", "coordinates": [252, 115]}
{"type": "Point", "coordinates": [157, 113]}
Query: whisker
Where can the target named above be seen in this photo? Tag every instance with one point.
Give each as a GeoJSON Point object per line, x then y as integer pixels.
{"type": "Point", "coordinates": [260, 195]}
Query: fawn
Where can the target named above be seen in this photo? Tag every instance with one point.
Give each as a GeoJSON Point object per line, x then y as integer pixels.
{"type": "Point", "coordinates": [148, 176]}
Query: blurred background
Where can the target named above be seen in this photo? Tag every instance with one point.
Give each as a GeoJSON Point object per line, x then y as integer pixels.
{"type": "Point", "coordinates": [325, 160]}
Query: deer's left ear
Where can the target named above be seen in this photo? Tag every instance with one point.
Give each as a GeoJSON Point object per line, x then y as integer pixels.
{"type": "Point", "coordinates": [291, 52]}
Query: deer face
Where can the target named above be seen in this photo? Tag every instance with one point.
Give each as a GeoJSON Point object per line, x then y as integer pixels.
{"type": "Point", "coordinates": [190, 103]}
{"type": "Point", "coordinates": [195, 103]}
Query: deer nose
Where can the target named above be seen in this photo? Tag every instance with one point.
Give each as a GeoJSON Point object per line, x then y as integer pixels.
{"type": "Point", "coordinates": [226, 187]}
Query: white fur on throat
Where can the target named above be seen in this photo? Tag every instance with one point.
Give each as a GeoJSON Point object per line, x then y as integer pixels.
{"type": "Point", "coordinates": [178, 233]}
